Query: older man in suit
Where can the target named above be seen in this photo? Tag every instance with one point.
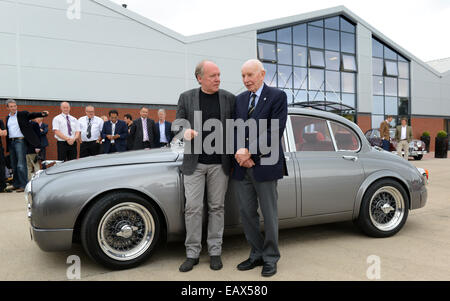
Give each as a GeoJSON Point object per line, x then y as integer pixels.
{"type": "Point", "coordinates": [403, 136]}
{"type": "Point", "coordinates": [384, 133]}
{"type": "Point", "coordinates": [203, 168]}
{"type": "Point", "coordinates": [43, 131]}
{"type": "Point", "coordinates": [143, 131]}
{"type": "Point", "coordinates": [253, 178]}
{"type": "Point", "coordinates": [20, 132]}
{"type": "Point", "coordinates": [163, 134]}
{"type": "Point", "coordinates": [115, 133]}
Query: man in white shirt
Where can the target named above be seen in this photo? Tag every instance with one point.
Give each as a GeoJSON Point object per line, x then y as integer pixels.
{"type": "Point", "coordinates": [403, 136]}
{"type": "Point", "coordinates": [164, 134]}
{"type": "Point", "coordinates": [90, 133]}
{"type": "Point", "coordinates": [67, 132]}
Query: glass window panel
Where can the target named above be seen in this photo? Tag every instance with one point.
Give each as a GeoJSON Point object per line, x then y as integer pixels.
{"type": "Point", "coordinates": [345, 138]}
{"type": "Point", "coordinates": [347, 26]}
{"type": "Point", "coordinates": [300, 56]}
{"type": "Point", "coordinates": [270, 35]}
{"type": "Point", "coordinates": [378, 88]}
{"type": "Point", "coordinates": [289, 94]}
{"type": "Point", "coordinates": [311, 134]}
{"type": "Point", "coordinates": [389, 54]}
{"type": "Point", "coordinates": [377, 49]}
{"type": "Point", "coordinates": [315, 37]}
{"type": "Point", "coordinates": [390, 86]}
{"type": "Point", "coordinates": [333, 81]}
{"type": "Point", "coordinates": [403, 106]}
{"type": "Point", "coordinates": [316, 95]}
{"type": "Point", "coordinates": [377, 120]}
{"type": "Point", "coordinates": [317, 23]}
{"type": "Point", "coordinates": [299, 32]}
{"type": "Point", "coordinates": [316, 59]}
{"type": "Point", "coordinates": [333, 60]}
{"type": "Point", "coordinates": [348, 62]}
{"type": "Point", "coordinates": [348, 82]}
{"type": "Point", "coordinates": [347, 42]}
{"type": "Point", "coordinates": [284, 35]}
{"type": "Point", "coordinates": [378, 105]}
{"type": "Point", "coordinates": [332, 39]}
{"type": "Point", "coordinates": [391, 68]}
{"type": "Point", "coordinates": [300, 78]}
{"type": "Point", "coordinates": [403, 88]}
{"type": "Point", "coordinates": [284, 54]}
{"type": "Point", "coordinates": [332, 23]}
{"type": "Point", "coordinates": [266, 51]}
{"type": "Point", "coordinates": [390, 105]}
{"type": "Point", "coordinates": [300, 96]}
{"type": "Point", "coordinates": [403, 69]}
{"type": "Point", "coordinates": [271, 70]}
{"type": "Point", "coordinates": [333, 97]}
{"type": "Point", "coordinates": [348, 99]}
{"type": "Point", "coordinates": [284, 77]}
{"type": "Point", "coordinates": [316, 79]}
{"type": "Point", "coordinates": [401, 58]}
{"type": "Point", "coordinates": [393, 124]}
{"type": "Point", "coordinates": [377, 66]}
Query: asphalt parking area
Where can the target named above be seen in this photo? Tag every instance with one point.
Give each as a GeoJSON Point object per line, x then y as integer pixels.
{"type": "Point", "coordinates": [421, 251]}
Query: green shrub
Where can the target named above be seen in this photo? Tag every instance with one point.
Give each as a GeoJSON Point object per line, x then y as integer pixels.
{"type": "Point", "coordinates": [426, 134]}
{"type": "Point", "coordinates": [442, 134]}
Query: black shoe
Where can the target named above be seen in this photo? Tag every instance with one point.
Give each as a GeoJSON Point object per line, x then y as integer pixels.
{"type": "Point", "coordinates": [249, 264]}
{"type": "Point", "coordinates": [188, 264]}
{"type": "Point", "coordinates": [269, 269]}
{"type": "Point", "coordinates": [6, 190]}
{"type": "Point", "coordinates": [216, 263]}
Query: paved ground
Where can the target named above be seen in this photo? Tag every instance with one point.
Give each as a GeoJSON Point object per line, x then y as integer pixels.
{"type": "Point", "coordinates": [421, 251]}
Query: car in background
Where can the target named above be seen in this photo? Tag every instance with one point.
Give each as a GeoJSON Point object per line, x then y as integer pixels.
{"type": "Point", "coordinates": [417, 148]}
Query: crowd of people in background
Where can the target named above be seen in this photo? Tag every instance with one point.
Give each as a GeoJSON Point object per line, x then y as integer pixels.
{"type": "Point", "coordinates": [26, 138]}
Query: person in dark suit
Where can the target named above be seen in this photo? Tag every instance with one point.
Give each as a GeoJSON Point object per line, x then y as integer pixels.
{"type": "Point", "coordinates": [254, 179]}
{"type": "Point", "coordinates": [20, 131]}
{"type": "Point", "coordinates": [43, 128]}
{"type": "Point", "coordinates": [204, 169]}
{"type": "Point", "coordinates": [143, 131]}
{"type": "Point", "coordinates": [129, 121]}
{"type": "Point", "coordinates": [3, 133]}
{"type": "Point", "coordinates": [33, 164]}
{"type": "Point", "coordinates": [115, 133]}
{"type": "Point", "coordinates": [164, 127]}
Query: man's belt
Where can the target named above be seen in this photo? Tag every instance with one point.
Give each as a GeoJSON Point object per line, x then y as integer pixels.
{"type": "Point", "coordinates": [14, 139]}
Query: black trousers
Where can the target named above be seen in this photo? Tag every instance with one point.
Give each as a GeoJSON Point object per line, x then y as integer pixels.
{"type": "Point", "coordinates": [90, 148]}
{"type": "Point", "coordinates": [2, 170]}
{"type": "Point", "coordinates": [66, 152]}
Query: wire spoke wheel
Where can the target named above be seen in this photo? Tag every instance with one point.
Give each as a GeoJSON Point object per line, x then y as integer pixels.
{"type": "Point", "coordinates": [126, 231]}
{"type": "Point", "coordinates": [386, 208]}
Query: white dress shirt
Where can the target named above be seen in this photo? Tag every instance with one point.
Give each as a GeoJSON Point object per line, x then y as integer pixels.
{"type": "Point", "coordinates": [113, 130]}
{"type": "Point", "coordinates": [403, 135]}
{"type": "Point", "coordinates": [96, 128]}
{"type": "Point", "coordinates": [60, 123]}
{"type": "Point", "coordinates": [13, 127]}
{"type": "Point", "coordinates": [162, 132]}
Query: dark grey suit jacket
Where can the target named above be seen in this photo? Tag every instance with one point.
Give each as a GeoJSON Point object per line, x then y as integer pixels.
{"type": "Point", "coordinates": [188, 103]}
{"type": "Point", "coordinates": [138, 135]}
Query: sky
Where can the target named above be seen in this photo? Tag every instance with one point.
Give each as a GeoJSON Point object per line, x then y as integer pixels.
{"type": "Point", "coordinates": [420, 26]}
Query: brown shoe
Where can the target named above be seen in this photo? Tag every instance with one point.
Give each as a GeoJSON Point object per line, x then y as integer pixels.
{"type": "Point", "coordinates": [20, 190]}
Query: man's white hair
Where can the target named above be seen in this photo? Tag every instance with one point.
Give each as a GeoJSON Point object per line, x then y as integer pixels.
{"type": "Point", "coordinates": [254, 62]}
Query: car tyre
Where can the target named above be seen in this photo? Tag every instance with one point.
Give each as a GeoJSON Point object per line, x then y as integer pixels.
{"type": "Point", "coordinates": [384, 209]}
{"type": "Point", "coordinates": [120, 230]}
{"type": "Point", "coordinates": [418, 157]}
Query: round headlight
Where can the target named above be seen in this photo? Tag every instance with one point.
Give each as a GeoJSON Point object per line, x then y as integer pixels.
{"type": "Point", "coordinates": [419, 143]}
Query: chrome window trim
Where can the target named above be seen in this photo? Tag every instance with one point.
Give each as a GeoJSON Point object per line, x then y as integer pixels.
{"type": "Point", "coordinates": [289, 138]}
{"type": "Point", "coordinates": [351, 130]}
{"type": "Point", "coordinates": [332, 135]}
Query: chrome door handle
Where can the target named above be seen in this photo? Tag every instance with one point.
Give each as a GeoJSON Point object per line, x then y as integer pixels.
{"type": "Point", "coordinates": [350, 158]}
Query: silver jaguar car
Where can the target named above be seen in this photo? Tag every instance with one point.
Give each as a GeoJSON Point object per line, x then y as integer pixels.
{"type": "Point", "coordinates": [121, 206]}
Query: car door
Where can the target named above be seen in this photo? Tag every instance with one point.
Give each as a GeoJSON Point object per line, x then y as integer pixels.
{"type": "Point", "coordinates": [329, 167]}
{"type": "Point", "coordinates": [287, 191]}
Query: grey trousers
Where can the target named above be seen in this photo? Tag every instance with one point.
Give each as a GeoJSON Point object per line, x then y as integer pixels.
{"type": "Point", "coordinates": [403, 145]}
{"type": "Point", "coordinates": [216, 182]}
{"type": "Point", "coordinates": [248, 191]}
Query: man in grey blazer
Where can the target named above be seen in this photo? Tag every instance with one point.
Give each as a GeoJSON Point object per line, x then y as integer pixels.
{"type": "Point", "coordinates": [202, 169]}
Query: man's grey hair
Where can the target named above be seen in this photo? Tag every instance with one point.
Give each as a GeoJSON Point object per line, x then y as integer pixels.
{"type": "Point", "coordinates": [10, 101]}
{"type": "Point", "coordinates": [162, 110]}
{"type": "Point", "coordinates": [256, 62]}
{"type": "Point", "coordinates": [199, 68]}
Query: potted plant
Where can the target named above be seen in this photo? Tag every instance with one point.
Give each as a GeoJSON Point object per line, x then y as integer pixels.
{"type": "Point", "coordinates": [426, 139]}
{"type": "Point", "coordinates": [441, 145]}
